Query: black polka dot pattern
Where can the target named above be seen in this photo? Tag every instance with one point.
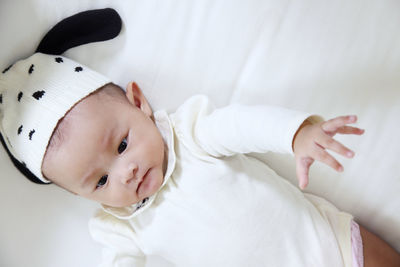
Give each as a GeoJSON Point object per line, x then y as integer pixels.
{"type": "Point", "coordinates": [20, 129]}
{"type": "Point", "coordinates": [6, 69]}
{"type": "Point", "coordinates": [59, 60]}
{"type": "Point", "coordinates": [1, 98]}
{"type": "Point", "coordinates": [78, 69]}
{"type": "Point", "coordinates": [31, 69]}
{"type": "Point", "coordinates": [38, 94]}
{"type": "Point", "coordinates": [20, 96]}
{"type": "Point", "coordinates": [31, 133]}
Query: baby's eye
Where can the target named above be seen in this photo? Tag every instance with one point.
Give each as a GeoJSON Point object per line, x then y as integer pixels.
{"type": "Point", "coordinates": [102, 181]}
{"type": "Point", "coordinates": [122, 146]}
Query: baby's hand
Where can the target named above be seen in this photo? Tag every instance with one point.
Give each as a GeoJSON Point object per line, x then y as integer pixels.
{"type": "Point", "coordinates": [311, 140]}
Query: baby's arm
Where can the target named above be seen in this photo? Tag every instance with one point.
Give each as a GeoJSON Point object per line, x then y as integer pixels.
{"type": "Point", "coordinates": [237, 128]}
{"type": "Point", "coordinates": [240, 128]}
{"type": "Point", "coordinates": [311, 140]}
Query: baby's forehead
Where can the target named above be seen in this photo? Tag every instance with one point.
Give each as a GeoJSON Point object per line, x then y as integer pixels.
{"type": "Point", "coordinates": [77, 132]}
{"type": "Point", "coordinates": [93, 110]}
{"type": "Point", "coordinates": [70, 121]}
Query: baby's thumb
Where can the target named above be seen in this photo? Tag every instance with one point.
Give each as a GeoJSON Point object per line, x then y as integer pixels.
{"type": "Point", "coordinates": [302, 169]}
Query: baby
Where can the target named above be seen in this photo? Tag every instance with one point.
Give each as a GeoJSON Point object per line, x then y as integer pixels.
{"type": "Point", "coordinates": [181, 186]}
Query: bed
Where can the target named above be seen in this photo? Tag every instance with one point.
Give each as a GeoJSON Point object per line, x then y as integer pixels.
{"type": "Point", "coordinates": [326, 57]}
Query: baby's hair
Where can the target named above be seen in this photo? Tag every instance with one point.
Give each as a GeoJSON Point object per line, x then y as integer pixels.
{"type": "Point", "coordinates": [108, 92]}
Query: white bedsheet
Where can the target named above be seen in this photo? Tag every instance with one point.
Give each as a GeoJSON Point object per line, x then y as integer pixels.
{"type": "Point", "coordinates": [327, 57]}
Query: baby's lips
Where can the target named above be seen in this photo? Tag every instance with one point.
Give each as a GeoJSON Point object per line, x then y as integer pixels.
{"type": "Point", "coordinates": [141, 180]}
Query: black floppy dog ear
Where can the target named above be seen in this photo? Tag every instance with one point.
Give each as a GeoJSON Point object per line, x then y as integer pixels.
{"type": "Point", "coordinates": [82, 28]}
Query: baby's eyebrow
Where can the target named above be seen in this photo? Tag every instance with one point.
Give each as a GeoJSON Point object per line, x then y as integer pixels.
{"type": "Point", "coordinates": [86, 179]}
{"type": "Point", "coordinates": [106, 140]}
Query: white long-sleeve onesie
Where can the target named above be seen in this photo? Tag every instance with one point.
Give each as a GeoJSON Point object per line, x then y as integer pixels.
{"type": "Point", "coordinates": [220, 207]}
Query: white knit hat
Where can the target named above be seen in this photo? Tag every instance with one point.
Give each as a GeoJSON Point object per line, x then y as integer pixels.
{"type": "Point", "coordinates": [35, 93]}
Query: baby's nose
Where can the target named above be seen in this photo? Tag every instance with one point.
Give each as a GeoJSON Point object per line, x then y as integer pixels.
{"type": "Point", "coordinates": [130, 174]}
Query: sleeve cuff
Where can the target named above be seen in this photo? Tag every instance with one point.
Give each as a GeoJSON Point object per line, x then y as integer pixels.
{"type": "Point", "coordinates": [296, 124]}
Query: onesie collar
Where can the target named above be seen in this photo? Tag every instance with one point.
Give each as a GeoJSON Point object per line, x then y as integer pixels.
{"type": "Point", "coordinates": [164, 125]}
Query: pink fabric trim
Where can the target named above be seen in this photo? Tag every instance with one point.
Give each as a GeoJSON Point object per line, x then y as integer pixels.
{"type": "Point", "coordinates": [356, 245]}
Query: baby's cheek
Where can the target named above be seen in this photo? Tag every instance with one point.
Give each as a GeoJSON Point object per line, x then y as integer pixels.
{"type": "Point", "coordinates": [118, 198]}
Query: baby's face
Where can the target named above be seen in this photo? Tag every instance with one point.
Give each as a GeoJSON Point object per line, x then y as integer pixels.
{"type": "Point", "coordinates": [113, 153]}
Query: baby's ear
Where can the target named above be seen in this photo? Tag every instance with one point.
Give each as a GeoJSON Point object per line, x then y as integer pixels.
{"type": "Point", "coordinates": [136, 98]}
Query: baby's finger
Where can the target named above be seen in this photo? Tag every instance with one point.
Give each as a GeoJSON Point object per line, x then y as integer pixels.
{"type": "Point", "coordinates": [302, 169]}
{"type": "Point", "coordinates": [350, 130]}
{"type": "Point", "coordinates": [335, 123]}
{"type": "Point", "coordinates": [321, 155]}
{"type": "Point", "coordinates": [329, 143]}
